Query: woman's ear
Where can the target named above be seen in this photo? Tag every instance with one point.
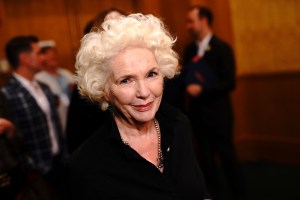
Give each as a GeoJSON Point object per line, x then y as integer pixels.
{"type": "Point", "coordinates": [107, 95]}
{"type": "Point", "coordinates": [107, 90]}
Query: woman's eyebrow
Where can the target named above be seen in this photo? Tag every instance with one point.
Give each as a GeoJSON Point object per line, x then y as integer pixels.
{"type": "Point", "coordinates": [152, 69]}
{"type": "Point", "coordinates": [125, 75]}
{"type": "Point", "coordinates": [130, 75]}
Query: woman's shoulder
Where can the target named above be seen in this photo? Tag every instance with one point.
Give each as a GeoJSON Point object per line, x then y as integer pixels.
{"type": "Point", "coordinates": [177, 122]}
{"type": "Point", "coordinates": [172, 114]}
{"type": "Point", "coordinates": [84, 168]}
{"type": "Point", "coordinates": [90, 149]}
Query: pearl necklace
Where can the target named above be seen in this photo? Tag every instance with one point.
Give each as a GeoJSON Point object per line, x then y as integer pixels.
{"type": "Point", "coordinates": [160, 158]}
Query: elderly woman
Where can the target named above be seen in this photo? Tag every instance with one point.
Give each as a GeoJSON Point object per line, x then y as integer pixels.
{"type": "Point", "coordinates": [144, 151]}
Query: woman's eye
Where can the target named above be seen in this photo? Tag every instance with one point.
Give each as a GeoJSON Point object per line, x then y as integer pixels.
{"type": "Point", "coordinates": [152, 74]}
{"type": "Point", "coordinates": [124, 81]}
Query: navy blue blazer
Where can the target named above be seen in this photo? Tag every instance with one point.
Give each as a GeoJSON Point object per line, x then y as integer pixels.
{"type": "Point", "coordinates": [32, 124]}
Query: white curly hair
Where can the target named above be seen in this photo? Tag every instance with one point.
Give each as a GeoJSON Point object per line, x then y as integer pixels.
{"type": "Point", "coordinates": [97, 48]}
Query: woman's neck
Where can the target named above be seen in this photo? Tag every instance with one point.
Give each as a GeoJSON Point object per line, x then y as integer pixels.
{"type": "Point", "coordinates": [130, 129]}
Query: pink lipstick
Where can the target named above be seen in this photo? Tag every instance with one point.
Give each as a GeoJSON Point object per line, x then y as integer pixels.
{"type": "Point", "coordinates": [145, 107]}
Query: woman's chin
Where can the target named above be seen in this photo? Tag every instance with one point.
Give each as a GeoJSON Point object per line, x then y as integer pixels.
{"type": "Point", "coordinates": [144, 116]}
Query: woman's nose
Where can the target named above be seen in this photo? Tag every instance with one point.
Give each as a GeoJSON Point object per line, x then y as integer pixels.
{"type": "Point", "coordinates": [143, 90]}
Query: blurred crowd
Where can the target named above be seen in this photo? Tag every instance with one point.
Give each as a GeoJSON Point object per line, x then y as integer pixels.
{"type": "Point", "coordinates": [43, 118]}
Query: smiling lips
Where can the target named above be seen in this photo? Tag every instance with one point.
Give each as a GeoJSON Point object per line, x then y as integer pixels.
{"type": "Point", "coordinates": [145, 107]}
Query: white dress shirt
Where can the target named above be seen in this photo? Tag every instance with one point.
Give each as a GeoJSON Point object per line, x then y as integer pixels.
{"type": "Point", "coordinates": [204, 44]}
{"type": "Point", "coordinates": [58, 89]}
{"type": "Point", "coordinates": [37, 93]}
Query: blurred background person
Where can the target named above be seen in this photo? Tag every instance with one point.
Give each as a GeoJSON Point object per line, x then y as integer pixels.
{"type": "Point", "coordinates": [58, 79]}
{"type": "Point", "coordinates": [210, 79]}
{"type": "Point", "coordinates": [85, 117]}
{"type": "Point", "coordinates": [33, 110]}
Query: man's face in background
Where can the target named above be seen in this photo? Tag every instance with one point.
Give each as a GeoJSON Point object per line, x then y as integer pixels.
{"type": "Point", "coordinates": [34, 58]}
{"type": "Point", "coordinates": [194, 23]}
{"type": "Point", "coordinates": [50, 59]}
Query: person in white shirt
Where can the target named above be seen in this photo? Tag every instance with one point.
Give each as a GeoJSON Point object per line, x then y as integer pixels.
{"type": "Point", "coordinates": [59, 80]}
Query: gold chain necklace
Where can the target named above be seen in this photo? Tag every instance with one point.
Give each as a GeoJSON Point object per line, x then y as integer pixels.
{"type": "Point", "coordinates": [160, 158]}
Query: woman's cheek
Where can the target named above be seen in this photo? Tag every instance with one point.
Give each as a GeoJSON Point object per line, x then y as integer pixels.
{"type": "Point", "coordinates": [157, 87]}
{"type": "Point", "coordinates": [123, 96]}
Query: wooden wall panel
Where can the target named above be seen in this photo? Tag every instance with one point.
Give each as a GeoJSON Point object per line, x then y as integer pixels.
{"type": "Point", "coordinates": [175, 18]}
{"type": "Point", "coordinates": [46, 19]}
{"type": "Point", "coordinates": [267, 117]}
{"type": "Point", "coordinates": [3, 36]}
{"type": "Point", "coordinates": [149, 7]}
{"type": "Point", "coordinates": [173, 15]}
{"type": "Point", "coordinates": [80, 12]}
{"type": "Point", "coordinates": [88, 10]}
{"type": "Point", "coordinates": [267, 35]}
{"type": "Point", "coordinates": [60, 20]}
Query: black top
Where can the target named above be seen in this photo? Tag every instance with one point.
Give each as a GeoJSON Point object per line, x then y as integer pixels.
{"type": "Point", "coordinates": [84, 118]}
{"type": "Point", "coordinates": [104, 168]}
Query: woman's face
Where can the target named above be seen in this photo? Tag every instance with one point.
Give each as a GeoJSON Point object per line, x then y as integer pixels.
{"type": "Point", "coordinates": [137, 85]}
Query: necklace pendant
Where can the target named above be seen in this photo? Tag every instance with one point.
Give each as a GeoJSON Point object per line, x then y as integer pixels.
{"type": "Point", "coordinates": [160, 165]}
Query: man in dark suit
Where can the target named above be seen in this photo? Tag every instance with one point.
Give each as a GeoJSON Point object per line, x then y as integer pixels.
{"type": "Point", "coordinates": [209, 70]}
{"type": "Point", "coordinates": [33, 109]}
